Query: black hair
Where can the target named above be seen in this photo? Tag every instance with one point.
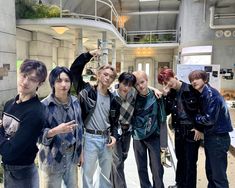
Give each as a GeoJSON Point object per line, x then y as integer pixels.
{"type": "Point", "coordinates": [55, 73]}
{"type": "Point", "coordinates": [30, 65]}
{"type": "Point", "coordinates": [127, 79]}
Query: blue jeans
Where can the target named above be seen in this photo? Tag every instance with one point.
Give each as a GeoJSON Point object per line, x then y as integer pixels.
{"type": "Point", "coordinates": [96, 152]}
{"type": "Point", "coordinates": [149, 146]}
{"type": "Point", "coordinates": [216, 148]}
{"type": "Point", "coordinates": [68, 174]}
{"type": "Point", "coordinates": [120, 151]}
{"type": "Point", "coordinates": [21, 176]}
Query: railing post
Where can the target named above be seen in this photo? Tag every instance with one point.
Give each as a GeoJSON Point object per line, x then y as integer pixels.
{"type": "Point", "coordinates": [61, 8]}
{"type": "Point", "coordinates": [95, 9]}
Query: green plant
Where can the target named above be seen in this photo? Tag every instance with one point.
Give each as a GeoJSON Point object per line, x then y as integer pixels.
{"type": "Point", "coordinates": [149, 39]}
{"type": "Point", "coordinates": [31, 9]}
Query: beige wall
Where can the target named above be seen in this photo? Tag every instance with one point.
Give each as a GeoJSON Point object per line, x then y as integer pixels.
{"type": "Point", "coordinates": [7, 51]}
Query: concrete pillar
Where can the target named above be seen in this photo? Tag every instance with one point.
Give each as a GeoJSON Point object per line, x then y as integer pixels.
{"type": "Point", "coordinates": [7, 51]}
{"type": "Point", "coordinates": [122, 60]}
{"type": "Point", "coordinates": [78, 42]}
{"type": "Point", "coordinates": [193, 25]}
{"type": "Point", "coordinates": [114, 59]}
{"type": "Point", "coordinates": [41, 48]}
{"type": "Point", "coordinates": [105, 51]}
{"type": "Point", "coordinates": [65, 54]}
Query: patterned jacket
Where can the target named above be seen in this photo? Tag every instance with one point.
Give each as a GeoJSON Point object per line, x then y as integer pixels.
{"type": "Point", "coordinates": [52, 150]}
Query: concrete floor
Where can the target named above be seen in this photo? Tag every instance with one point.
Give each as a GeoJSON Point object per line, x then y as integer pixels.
{"type": "Point", "coordinates": [132, 178]}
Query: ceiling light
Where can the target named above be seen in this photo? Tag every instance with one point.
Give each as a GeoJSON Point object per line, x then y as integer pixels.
{"type": "Point", "coordinates": [84, 39]}
{"type": "Point", "coordinates": [60, 29]}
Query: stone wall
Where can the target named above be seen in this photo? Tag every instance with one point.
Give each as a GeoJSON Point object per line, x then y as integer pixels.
{"type": "Point", "coordinates": [7, 51]}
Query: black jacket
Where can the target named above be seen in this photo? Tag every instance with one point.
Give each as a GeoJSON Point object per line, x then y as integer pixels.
{"type": "Point", "coordinates": [87, 94]}
{"type": "Point", "coordinates": [190, 101]}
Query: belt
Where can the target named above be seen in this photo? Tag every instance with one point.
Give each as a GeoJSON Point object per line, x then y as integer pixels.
{"type": "Point", "coordinates": [97, 132]}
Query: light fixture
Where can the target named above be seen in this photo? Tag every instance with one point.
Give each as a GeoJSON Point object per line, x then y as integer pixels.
{"type": "Point", "coordinates": [84, 39]}
{"type": "Point", "coordinates": [219, 33]}
{"type": "Point", "coordinates": [60, 29]}
{"type": "Point", "coordinates": [227, 33]}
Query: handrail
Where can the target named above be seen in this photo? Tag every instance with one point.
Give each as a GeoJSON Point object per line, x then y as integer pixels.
{"type": "Point", "coordinates": [131, 37]}
{"type": "Point", "coordinates": [152, 37]}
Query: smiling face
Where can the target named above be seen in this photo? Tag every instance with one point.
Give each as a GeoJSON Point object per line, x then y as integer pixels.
{"type": "Point", "coordinates": [62, 84]}
{"type": "Point", "coordinates": [28, 83]}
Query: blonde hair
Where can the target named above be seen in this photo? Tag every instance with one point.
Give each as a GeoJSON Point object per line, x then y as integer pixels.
{"type": "Point", "coordinates": [140, 74]}
{"type": "Point", "coordinates": [107, 67]}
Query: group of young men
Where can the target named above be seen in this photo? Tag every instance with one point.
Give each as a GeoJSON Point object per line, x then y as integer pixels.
{"type": "Point", "coordinates": [111, 118]}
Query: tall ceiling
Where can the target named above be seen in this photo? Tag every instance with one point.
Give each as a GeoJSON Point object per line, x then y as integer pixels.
{"type": "Point", "coordinates": [140, 16]}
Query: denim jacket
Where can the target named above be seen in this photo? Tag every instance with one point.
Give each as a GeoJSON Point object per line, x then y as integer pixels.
{"type": "Point", "coordinates": [190, 101]}
{"type": "Point", "coordinates": [215, 115]}
{"type": "Point", "coordinates": [52, 150]}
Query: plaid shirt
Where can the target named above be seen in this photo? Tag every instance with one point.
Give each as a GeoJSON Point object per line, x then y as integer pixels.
{"type": "Point", "coordinates": [126, 106]}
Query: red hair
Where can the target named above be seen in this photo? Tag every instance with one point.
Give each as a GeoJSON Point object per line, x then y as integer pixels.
{"type": "Point", "coordinates": [165, 75]}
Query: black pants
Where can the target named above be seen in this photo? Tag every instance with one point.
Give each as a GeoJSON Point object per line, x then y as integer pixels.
{"type": "Point", "coordinates": [120, 152]}
{"type": "Point", "coordinates": [149, 146]}
{"type": "Point", "coordinates": [186, 150]}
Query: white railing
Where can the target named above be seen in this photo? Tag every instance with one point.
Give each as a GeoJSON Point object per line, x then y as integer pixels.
{"type": "Point", "coordinates": [151, 37]}
{"type": "Point", "coordinates": [131, 37]}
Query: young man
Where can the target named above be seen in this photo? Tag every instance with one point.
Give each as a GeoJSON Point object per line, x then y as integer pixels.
{"type": "Point", "coordinates": [61, 141]}
{"type": "Point", "coordinates": [181, 101]}
{"type": "Point", "coordinates": [148, 118]}
{"type": "Point", "coordinates": [22, 123]}
{"type": "Point", "coordinates": [100, 120]}
{"type": "Point", "coordinates": [217, 125]}
{"type": "Point", "coordinates": [125, 96]}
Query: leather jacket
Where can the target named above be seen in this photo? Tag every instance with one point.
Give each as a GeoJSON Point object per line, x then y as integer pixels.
{"type": "Point", "coordinates": [87, 94]}
{"type": "Point", "coordinates": [190, 101]}
{"type": "Point", "coordinates": [215, 115]}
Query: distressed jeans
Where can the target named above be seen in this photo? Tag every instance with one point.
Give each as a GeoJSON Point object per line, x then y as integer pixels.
{"type": "Point", "coordinates": [21, 176]}
{"type": "Point", "coordinates": [65, 178]}
{"type": "Point", "coordinates": [96, 152]}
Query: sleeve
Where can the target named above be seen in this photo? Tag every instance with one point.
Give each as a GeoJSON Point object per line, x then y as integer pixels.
{"type": "Point", "coordinates": [163, 126]}
{"type": "Point", "coordinates": [27, 134]}
{"type": "Point", "coordinates": [46, 127]}
{"type": "Point", "coordinates": [210, 112]}
{"type": "Point", "coordinates": [77, 69]}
